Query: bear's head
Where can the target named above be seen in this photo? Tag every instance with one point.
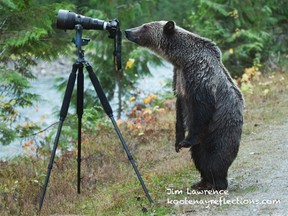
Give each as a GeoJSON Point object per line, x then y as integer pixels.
{"type": "Point", "coordinates": [150, 34]}
{"type": "Point", "coordinates": [154, 35]}
{"type": "Point", "coordinates": [171, 42]}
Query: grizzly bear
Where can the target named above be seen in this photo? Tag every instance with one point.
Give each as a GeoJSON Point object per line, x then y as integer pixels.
{"type": "Point", "coordinates": [209, 106]}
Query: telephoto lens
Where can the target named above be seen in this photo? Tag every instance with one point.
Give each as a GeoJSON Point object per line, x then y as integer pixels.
{"type": "Point", "coordinates": [67, 20]}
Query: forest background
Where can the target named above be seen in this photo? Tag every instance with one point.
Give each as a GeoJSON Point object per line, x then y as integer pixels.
{"type": "Point", "coordinates": [251, 34]}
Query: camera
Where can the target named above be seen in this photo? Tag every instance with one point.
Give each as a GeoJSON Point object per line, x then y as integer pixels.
{"type": "Point", "coordinates": [67, 20]}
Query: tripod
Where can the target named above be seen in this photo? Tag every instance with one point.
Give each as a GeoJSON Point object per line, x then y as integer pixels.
{"type": "Point", "coordinates": [78, 66]}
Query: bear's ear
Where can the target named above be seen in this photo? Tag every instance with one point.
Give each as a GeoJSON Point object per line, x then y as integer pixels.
{"type": "Point", "coordinates": [169, 27]}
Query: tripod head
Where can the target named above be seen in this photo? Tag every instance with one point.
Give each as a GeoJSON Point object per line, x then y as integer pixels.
{"type": "Point", "coordinates": [79, 42]}
{"type": "Point", "coordinates": [114, 33]}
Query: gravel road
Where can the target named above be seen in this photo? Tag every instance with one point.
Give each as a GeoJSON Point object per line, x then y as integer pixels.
{"type": "Point", "coordinates": [258, 178]}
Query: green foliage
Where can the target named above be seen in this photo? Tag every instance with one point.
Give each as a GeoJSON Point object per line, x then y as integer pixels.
{"type": "Point", "coordinates": [13, 96]}
{"type": "Point", "coordinates": [171, 10]}
{"type": "Point", "coordinates": [244, 30]}
{"type": "Point", "coordinates": [27, 34]}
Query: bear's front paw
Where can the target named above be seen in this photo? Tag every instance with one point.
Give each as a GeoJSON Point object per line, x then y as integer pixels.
{"type": "Point", "coordinates": [183, 144]}
{"type": "Point", "coordinates": [187, 143]}
{"type": "Point", "coordinates": [177, 147]}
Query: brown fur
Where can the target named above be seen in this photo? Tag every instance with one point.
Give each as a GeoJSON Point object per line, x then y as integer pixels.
{"type": "Point", "coordinates": [209, 105]}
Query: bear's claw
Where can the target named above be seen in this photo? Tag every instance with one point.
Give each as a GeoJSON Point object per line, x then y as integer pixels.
{"type": "Point", "coordinates": [185, 144]}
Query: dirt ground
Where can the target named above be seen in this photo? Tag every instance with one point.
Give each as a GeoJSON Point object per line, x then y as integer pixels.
{"type": "Point", "coordinates": [258, 178]}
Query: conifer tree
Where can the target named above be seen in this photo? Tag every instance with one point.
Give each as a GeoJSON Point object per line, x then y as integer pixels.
{"type": "Point", "coordinates": [27, 34]}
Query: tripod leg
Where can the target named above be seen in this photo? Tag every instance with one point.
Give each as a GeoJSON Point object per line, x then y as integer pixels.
{"type": "Point", "coordinates": [63, 114]}
{"type": "Point", "coordinates": [131, 159]}
{"type": "Point", "coordinates": [109, 112]}
{"type": "Point", "coordinates": [80, 90]}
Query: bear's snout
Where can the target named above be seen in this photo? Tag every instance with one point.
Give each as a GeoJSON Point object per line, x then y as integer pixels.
{"type": "Point", "coordinates": [129, 34]}
{"type": "Point", "coordinates": [133, 34]}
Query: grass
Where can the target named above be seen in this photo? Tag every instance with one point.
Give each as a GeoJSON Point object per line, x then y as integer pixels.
{"type": "Point", "coordinates": [109, 184]}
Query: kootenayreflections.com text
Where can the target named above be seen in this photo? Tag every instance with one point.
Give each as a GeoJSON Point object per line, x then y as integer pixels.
{"type": "Point", "coordinates": [221, 198]}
